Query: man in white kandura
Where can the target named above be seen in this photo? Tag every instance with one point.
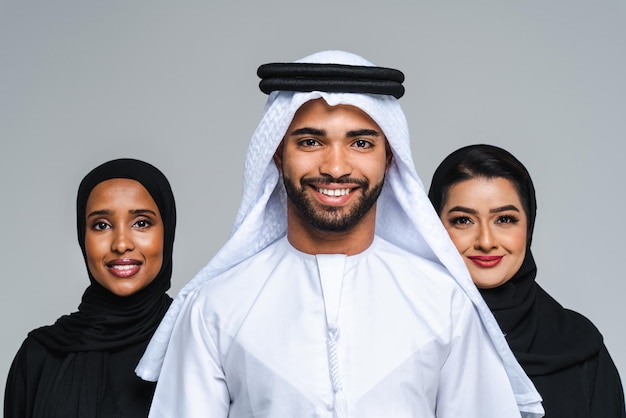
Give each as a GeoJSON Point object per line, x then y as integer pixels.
{"type": "Point", "coordinates": [339, 293]}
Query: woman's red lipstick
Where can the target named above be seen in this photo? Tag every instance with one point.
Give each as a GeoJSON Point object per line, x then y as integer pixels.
{"type": "Point", "coordinates": [124, 268]}
{"type": "Point", "coordinates": [486, 260]}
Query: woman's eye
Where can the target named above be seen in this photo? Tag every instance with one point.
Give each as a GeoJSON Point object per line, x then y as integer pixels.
{"type": "Point", "coordinates": [143, 223]}
{"type": "Point", "coordinates": [100, 226]}
{"type": "Point", "coordinates": [461, 220]}
{"type": "Point", "coordinates": [506, 219]}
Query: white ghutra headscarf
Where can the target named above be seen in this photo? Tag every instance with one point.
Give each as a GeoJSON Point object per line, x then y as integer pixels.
{"type": "Point", "coordinates": [405, 216]}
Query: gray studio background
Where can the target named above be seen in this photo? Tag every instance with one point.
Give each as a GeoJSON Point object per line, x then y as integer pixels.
{"type": "Point", "coordinates": [174, 83]}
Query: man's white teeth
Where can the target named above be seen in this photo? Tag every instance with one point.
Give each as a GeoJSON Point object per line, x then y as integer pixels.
{"type": "Point", "coordinates": [334, 192]}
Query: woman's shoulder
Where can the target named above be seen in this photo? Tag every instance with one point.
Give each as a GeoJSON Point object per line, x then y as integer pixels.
{"type": "Point", "coordinates": [567, 317]}
{"type": "Point", "coordinates": [24, 375]}
{"type": "Point", "coordinates": [31, 354]}
{"type": "Point", "coordinates": [31, 344]}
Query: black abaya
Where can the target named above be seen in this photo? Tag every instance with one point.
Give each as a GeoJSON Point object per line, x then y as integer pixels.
{"type": "Point", "coordinates": [561, 351]}
{"type": "Point", "coordinates": [83, 365]}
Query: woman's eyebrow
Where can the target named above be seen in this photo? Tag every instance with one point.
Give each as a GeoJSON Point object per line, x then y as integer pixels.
{"type": "Point", "coordinates": [504, 209]}
{"type": "Point", "coordinates": [99, 213]}
{"type": "Point", "coordinates": [463, 209]}
{"type": "Point", "coordinates": [104, 212]}
{"type": "Point", "coordinates": [141, 211]}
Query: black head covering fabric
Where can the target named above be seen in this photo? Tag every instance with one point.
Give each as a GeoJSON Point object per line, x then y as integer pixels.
{"type": "Point", "coordinates": [105, 322]}
{"type": "Point", "coordinates": [332, 78]}
{"type": "Point", "coordinates": [550, 342]}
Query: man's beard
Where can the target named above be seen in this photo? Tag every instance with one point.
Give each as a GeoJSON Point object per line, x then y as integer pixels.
{"type": "Point", "coordinates": [331, 218]}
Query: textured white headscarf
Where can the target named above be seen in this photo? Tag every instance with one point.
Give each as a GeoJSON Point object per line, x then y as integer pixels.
{"type": "Point", "coordinates": [405, 216]}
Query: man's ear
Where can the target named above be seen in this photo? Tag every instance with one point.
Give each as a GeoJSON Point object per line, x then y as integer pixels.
{"type": "Point", "coordinates": [278, 157]}
{"type": "Point", "coordinates": [388, 156]}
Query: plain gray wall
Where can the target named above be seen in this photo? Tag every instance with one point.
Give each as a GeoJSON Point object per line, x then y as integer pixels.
{"type": "Point", "coordinates": [174, 83]}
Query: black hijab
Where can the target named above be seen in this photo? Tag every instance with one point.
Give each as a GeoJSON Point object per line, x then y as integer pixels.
{"type": "Point", "coordinates": [104, 321]}
{"type": "Point", "coordinates": [544, 337]}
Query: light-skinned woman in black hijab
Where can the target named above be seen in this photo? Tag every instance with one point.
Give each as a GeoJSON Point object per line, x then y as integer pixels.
{"type": "Point", "coordinates": [486, 201]}
{"type": "Point", "coordinates": [83, 365]}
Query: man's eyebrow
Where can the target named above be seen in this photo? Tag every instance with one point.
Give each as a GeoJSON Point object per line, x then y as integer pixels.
{"type": "Point", "coordinates": [308, 131]}
{"type": "Point", "coordinates": [362, 132]}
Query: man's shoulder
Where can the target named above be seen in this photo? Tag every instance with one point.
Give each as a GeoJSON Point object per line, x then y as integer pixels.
{"type": "Point", "coordinates": [227, 298]}
{"type": "Point", "coordinates": [416, 270]}
{"type": "Point", "coordinates": [242, 277]}
{"type": "Point", "coordinates": [391, 252]}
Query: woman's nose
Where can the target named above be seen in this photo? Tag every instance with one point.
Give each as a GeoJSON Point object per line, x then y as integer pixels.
{"type": "Point", "coordinates": [122, 241]}
{"type": "Point", "coordinates": [486, 239]}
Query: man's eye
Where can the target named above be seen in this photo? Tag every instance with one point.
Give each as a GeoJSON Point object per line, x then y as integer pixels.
{"type": "Point", "coordinates": [361, 143]}
{"type": "Point", "coordinates": [309, 142]}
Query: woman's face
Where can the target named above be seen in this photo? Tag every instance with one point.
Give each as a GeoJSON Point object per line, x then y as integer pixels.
{"type": "Point", "coordinates": [488, 225]}
{"type": "Point", "coordinates": [123, 236]}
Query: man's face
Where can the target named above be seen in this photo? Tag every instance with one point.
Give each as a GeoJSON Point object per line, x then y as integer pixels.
{"type": "Point", "coordinates": [333, 160]}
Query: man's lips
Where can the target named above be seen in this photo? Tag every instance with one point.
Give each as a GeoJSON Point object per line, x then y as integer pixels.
{"type": "Point", "coordinates": [333, 191]}
{"type": "Point", "coordinates": [486, 260]}
{"type": "Point", "coordinates": [124, 268]}
{"type": "Point", "coordinates": [334, 194]}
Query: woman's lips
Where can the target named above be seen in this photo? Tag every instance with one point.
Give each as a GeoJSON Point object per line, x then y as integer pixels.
{"type": "Point", "coordinates": [486, 260]}
{"type": "Point", "coordinates": [124, 268]}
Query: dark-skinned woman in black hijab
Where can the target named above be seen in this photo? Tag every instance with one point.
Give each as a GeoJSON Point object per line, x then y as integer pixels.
{"type": "Point", "coordinates": [486, 201]}
{"type": "Point", "coordinates": [83, 365]}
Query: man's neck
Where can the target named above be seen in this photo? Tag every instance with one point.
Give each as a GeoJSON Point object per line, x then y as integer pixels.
{"type": "Point", "coordinates": [303, 237]}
